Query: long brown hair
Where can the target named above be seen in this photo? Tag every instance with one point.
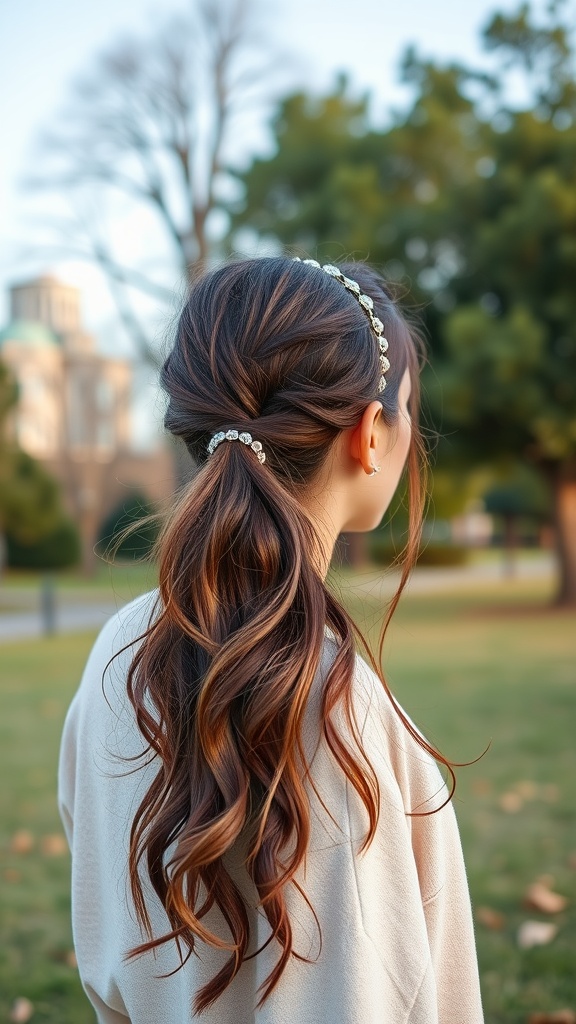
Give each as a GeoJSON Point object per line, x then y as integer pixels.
{"type": "Point", "coordinates": [221, 679]}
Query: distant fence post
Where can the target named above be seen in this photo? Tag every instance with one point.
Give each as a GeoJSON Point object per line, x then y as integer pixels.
{"type": "Point", "coordinates": [48, 604]}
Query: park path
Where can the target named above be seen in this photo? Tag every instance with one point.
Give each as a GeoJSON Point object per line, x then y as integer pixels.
{"type": "Point", "coordinates": [382, 583]}
{"type": "Point", "coordinates": [68, 619]}
{"type": "Point", "coordinates": [78, 616]}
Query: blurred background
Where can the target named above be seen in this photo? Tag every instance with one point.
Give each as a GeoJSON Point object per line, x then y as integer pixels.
{"type": "Point", "coordinates": [142, 142]}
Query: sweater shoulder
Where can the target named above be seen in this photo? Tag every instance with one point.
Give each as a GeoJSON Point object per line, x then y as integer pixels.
{"type": "Point", "coordinates": [101, 697]}
{"type": "Point", "coordinates": [129, 623]}
{"type": "Point", "coordinates": [122, 631]}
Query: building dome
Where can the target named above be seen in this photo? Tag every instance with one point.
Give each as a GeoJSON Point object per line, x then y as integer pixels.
{"type": "Point", "coordinates": [28, 332]}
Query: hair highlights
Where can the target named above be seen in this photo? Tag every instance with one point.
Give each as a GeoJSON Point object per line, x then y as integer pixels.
{"type": "Point", "coordinates": [221, 680]}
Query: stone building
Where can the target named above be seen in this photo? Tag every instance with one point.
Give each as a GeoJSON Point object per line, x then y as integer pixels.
{"type": "Point", "coordinates": [75, 406]}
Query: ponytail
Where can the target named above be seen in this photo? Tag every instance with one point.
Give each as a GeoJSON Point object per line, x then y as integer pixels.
{"type": "Point", "coordinates": [229, 665]}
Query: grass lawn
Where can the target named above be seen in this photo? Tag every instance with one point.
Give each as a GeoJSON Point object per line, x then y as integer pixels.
{"type": "Point", "coordinates": [472, 668]}
{"type": "Point", "coordinates": [38, 679]}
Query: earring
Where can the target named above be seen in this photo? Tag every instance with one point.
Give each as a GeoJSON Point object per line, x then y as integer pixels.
{"type": "Point", "coordinates": [375, 469]}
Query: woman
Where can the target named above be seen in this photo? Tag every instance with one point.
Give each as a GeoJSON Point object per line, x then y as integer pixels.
{"type": "Point", "coordinates": [258, 831]}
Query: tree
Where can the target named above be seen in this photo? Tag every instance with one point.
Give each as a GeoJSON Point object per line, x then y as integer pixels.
{"type": "Point", "coordinates": [337, 185]}
{"type": "Point", "coordinates": [510, 372]}
{"type": "Point", "coordinates": [30, 506]}
{"type": "Point", "coordinates": [470, 202]}
{"type": "Point", "coordinates": [153, 124]}
{"type": "Point", "coordinates": [519, 501]}
{"type": "Point", "coordinates": [58, 549]}
{"type": "Point", "coordinates": [321, 182]}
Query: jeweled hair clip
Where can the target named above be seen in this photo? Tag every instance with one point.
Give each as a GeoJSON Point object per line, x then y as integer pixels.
{"type": "Point", "coordinates": [235, 435]}
{"type": "Point", "coordinates": [366, 304]}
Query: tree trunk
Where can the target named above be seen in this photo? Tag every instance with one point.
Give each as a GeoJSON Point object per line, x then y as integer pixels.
{"type": "Point", "coordinates": [565, 531]}
{"type": "Point", "coordinates": [510, 546]}
{"type": "Point", "coordinates": [48, 603]}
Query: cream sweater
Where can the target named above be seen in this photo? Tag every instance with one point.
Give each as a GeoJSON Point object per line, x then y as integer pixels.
{"type": "Point", "coordinates": [397, 935]}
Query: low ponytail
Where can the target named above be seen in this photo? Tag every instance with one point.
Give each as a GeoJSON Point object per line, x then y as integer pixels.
{"type": "Point", "coordinates": [221, 679]}
{"type": "Point", "coordinates": [241, 635]}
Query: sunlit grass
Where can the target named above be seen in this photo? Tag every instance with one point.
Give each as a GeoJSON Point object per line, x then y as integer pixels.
{"type": "Point", "coordinates": [498, 667]}
{"type": "Point", "coordinates": [492, 666]}
{"type": "Point", "coordinates": [38, 679]}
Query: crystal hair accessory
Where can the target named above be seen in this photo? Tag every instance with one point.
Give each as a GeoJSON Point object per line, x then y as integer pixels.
{"type": "Point", "coordinates": [234, 435]}
{"type": "Point", "coordinates": [366, 304]}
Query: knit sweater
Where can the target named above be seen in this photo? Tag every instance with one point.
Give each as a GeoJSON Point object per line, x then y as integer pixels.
{"type": "Point", "coordinates": [397, 942]}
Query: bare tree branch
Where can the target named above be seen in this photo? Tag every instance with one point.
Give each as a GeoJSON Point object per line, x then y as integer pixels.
{"type": "Point", "coordinates": [153, 123]}
{"type": "Point", "coordinates": [129, 276]}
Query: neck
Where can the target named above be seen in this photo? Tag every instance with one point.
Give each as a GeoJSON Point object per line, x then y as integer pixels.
{"type": "Point", "coordinates": [327, 527]}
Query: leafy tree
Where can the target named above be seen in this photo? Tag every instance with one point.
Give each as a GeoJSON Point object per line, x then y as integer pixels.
{"type": "Point", "coordinates": [30, 503]}
{"type": "Point", "coordinates": [519, 501]}
{"type": "Point", "coordinates": [470, 202]}
{"type": "Point", "coordinates": [336, 185]}
{"type": "Point", "coordinates": [30, 507]}
{"type": "Point", "coordinates": [322, 183]}
{"type": "Point", "coordinates": [509, 382]}
{"type": "Point", "coordinates": [58, 549]}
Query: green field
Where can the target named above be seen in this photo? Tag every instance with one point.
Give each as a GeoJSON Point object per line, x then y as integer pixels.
{"type": "Point", "coordinates": [491, 666]}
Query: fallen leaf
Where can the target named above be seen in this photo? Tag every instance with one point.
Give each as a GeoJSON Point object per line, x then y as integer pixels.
{"type": "Point", "coordinates": [511, 802]}
{"type": "Point", "coordinates": [490, 918]}
{"type": "Point", "coordinates": [481, 787]}
{"type": "Point", "coordinates": [22, 1010]}
{"type": "Point", "coordinates": [536, 933]}
{"type": "Point", "coordinates": [539, 896]}
{"type": "Point", "coordinates": [12, 875]}
{"type": "Point", "coordinates": [54, 845]}
{"type": "Point", "coordinates": [64, 956]}
{"type": "Point", "coordinates": [527, 789]}
{"type": "Point", "coordinates": [50, 709]}
{"type": "Point", "coordinates": [556, 1017]}
{"type": "Point", "coordinates": [22, 841]}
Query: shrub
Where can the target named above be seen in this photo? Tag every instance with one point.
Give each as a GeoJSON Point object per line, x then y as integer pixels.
{"type": "Point", "coordinates": [383, 552]}
{"type": "Point", "coordinates": [58, 549]}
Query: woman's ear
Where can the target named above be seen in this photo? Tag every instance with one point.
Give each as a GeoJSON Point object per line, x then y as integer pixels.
{"type": "Point", "coordinates": [364, 439]}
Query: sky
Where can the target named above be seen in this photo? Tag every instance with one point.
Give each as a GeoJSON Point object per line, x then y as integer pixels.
{"type": "Point", "coordinates": [44, 46]}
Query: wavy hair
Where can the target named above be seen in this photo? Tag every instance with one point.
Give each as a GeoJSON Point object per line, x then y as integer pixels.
{"type": "Point", "coordinates": [221, 678]}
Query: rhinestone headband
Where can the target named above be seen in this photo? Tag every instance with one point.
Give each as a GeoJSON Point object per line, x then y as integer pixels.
{"type": "Point", "coordinates": [366, 304]}
{"type": "Point", "coordinates": [233, 435]}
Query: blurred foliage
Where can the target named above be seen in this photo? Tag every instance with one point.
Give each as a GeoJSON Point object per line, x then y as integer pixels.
{"type": "Point", "coordinates": [384, 551]}
{"type": "Point", "coordinates": [469, 203]}
{"type": "Point", "coordinates": [31, 516]}
{"type": "Point", "coordinates": [519, 492]}
{"type": "Point", "coordinates": [128, 532]}
{"type": "Point", "coordinates": [59, 549]}
{"type": "Point", "coordinates": [30, 502]}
